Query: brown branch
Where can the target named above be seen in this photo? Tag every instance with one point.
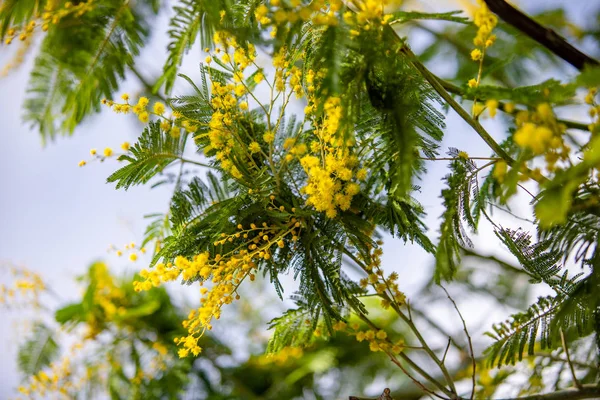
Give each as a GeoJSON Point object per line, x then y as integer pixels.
{"type": "Point", "coordinates": [586, 392]}
{"type": "Point", "coordinates": [544, 36]}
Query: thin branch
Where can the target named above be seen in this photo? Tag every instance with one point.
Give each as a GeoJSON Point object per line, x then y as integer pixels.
{"type": "Point", "coordinates": [564, 345]}
{"type": "Point", "coordinates": [488, 61]}
{"type": "Point", "coordinates": [511, 213]}
{"type": "Point", "coordinates": [562, 360]}
{"type": "Point", "coordinates": [412, 364]}
{"type": "Point", "coordinates": [470, 253]}
{"type": "Point", "coordinates": [146, 84]}
{"type": "Point", "coordinates": [469, 341]}
{"type": "Point", "coordinates": [439, 88]}
{"type": "Point", "coordinates": [447, 348]}
{"type": "Point", "coordinates": [544, 36]}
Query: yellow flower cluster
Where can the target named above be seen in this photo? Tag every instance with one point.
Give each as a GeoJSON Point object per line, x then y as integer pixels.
{"type": "Point", "coordinates": [378, 339]}
{"type": "Point", "coordinates": [229, 102]}
{"type": "Point", "coordinates": [18, 58]}
{"type": "Point", "coordinates": [171, 126]}
{"type": "Point", "coordinates": [130, 248]}
{"type": "Point", "coordinates": [364, 15]}
{"type": "Point", "coordinates": [383, 286]}
{"type": "Point", "coordinates": [485, 22]}
{"type": "Point", "coordinates": [225, 271]}
{"type": "Point", "coordinates": [107, 295]}
{"type": "Point", "coordinates": [25, 289]}
{"type": "Point", "coordinates": [282, 357]}
{"type": "Point", "coordinates": [539, 132]}
{"type": "Point", "coordinates": [331, 166]}
{"type": "Point", "coordinates": [594, 111]}
{"type": "Point", "coordinates": [138, 109]}
{"type": "Point", "coordinates": [318, 12]}
{"type": "Point", "coordinates": [56, 380]}
{"type": "Point", "coordinates": [51, 15]}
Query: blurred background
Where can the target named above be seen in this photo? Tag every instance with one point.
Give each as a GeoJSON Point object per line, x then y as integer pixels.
{"type": "Point", "coordinates": [56, 218]}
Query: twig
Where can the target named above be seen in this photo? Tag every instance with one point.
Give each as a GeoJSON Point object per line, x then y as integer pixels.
{"type": "Point", "coordinates": [562, 360]}
{"type": "Point", "coordinates": [447, 348]}
{"type": "Point", "coordinates": [146, 84]}
{"type": "Point", "coordinates": [564, 344]}
{"type": "Point", "coordinates": [439, 88]}
{"type": "Point", "coordinates": [469, 341]}
{"type": "Point", "coordinates": [544, 36]}
{"type": "Point", "coordinates": [412, 364]}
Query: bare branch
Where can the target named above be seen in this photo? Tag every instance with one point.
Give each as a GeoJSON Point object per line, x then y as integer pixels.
{"type": "Point", "coordinates": [469, 341]}
{"type": "Point", "coordinates": [544, 36]}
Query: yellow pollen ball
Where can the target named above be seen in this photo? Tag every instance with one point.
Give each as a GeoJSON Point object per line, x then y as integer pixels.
{"type": "Point", "coordinates": [159, 108]}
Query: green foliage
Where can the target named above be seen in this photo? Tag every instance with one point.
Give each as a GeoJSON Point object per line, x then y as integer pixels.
{"type": "Point", "coordinates": [462, 186]}
{"type": "Point", "coordinates": [17, 12]}
{"type": "Point", "coordinates": [38, 351]}
{"type": "Point", "coordinates": [568, 310]}
{"type": "Point", "coordinates": [66, 85]}
{"type": "Point", "coordinates": [154, 151]}
{"type": "Point", "coordinates": [521, 331]}
{"type": "Point", "coordinates": [185, 26]}
{"type": "Point", "coordinates": [549, 91]}
{"type": "Point", "coordinates": [193, 19]}
{"type": "Point", "coordinates": [391, 123]}
{"type": "Point", "coordinates": [294, 328]}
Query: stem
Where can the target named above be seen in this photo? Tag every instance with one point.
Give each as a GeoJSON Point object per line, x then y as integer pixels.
{"type": "Point", "coordinates": [439, 88]}
{"type": "Point", "coordinates": [426, 347]}
{"type": "Point", "coordinates": [562, 360]}
{"type": "Point", "coordinates": [564, 344]}
{"type": "Point", "coordinates": [185, 160]}
{"type": "Point", "coordinates": [412, 364]}
{"type": "Point", "coordinates": [413, 328]}
{"type": "Point", "coordinates": [146, 84]}
{"type": "Point", "coordinates": [469, 341]}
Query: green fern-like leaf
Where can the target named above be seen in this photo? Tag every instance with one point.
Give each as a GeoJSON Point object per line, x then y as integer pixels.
{"type": "Point", "coordinates": [456, 198]}
{"type": "Point", "coordinates": [17, 12]}
{"type": "Point", "coordinates": [522, 331]}
{"type": "Point", "coordinates": [153, 152]}
{"type": "Point", "coordinates": [38, 351]}
{"type": "Point", "coordinates": [66, 85]}
{"type": "Point", "coordinates": [294, 328]}
{"type": "Point", "coordinates": [540, 262]}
